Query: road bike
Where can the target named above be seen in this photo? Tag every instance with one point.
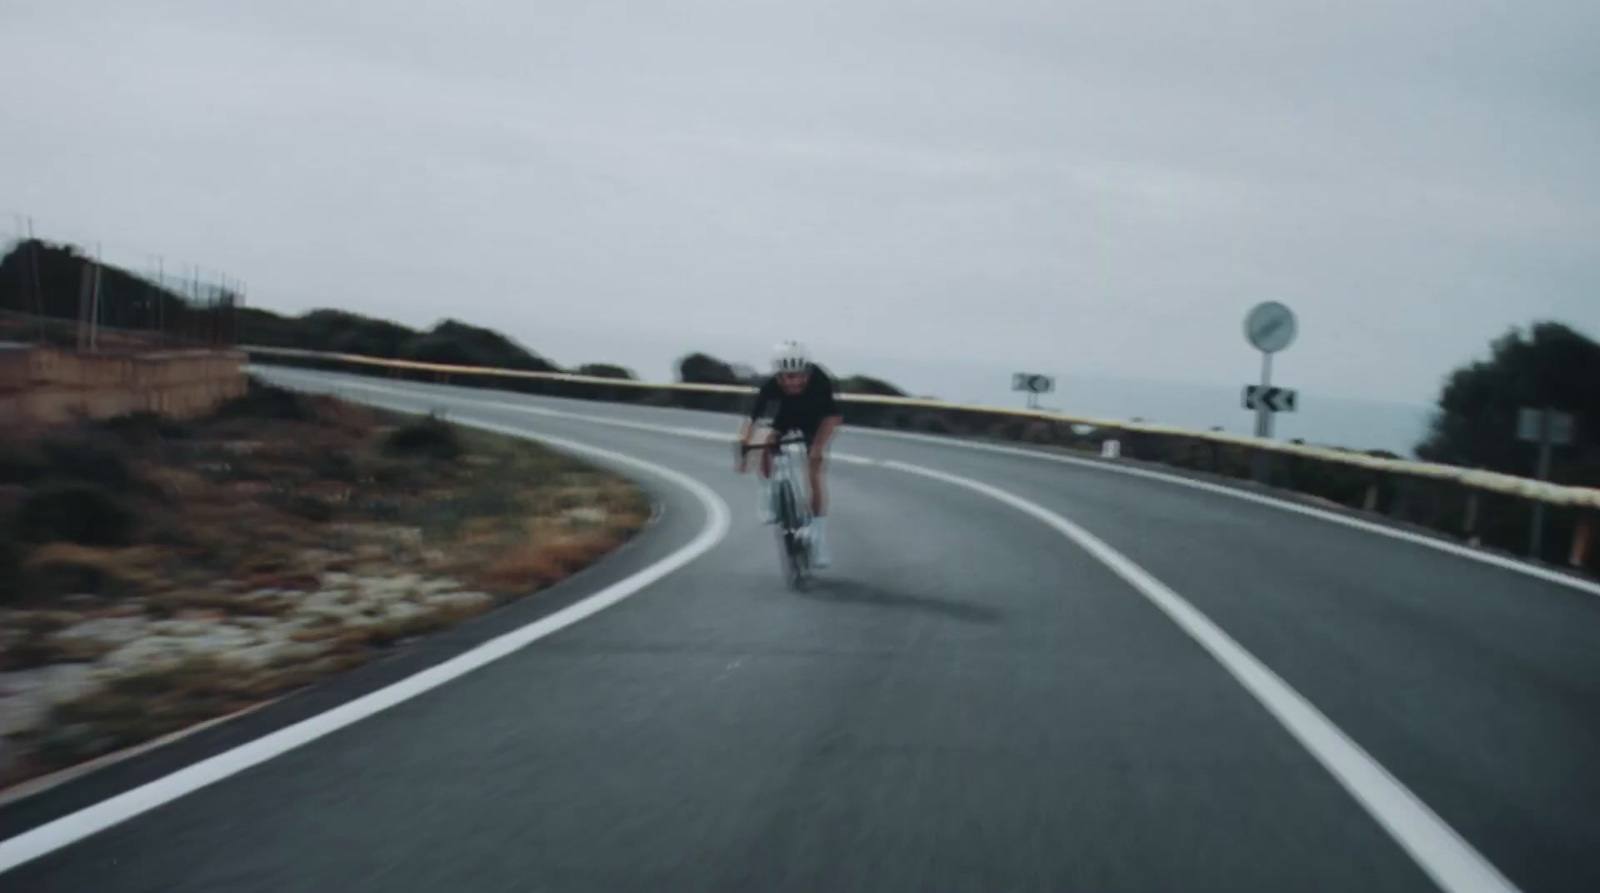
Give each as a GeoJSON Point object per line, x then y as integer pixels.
{"type": "Point", "coordinates": [791, 506]}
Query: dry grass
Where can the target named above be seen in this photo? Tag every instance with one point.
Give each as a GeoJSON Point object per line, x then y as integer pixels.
{"type": "Point", "coordinates": [271, 495]}
{"type": "Point", "coordinates": [551, 550]}
{"type": "Point", "coordinates": [68, 568]}
{"type": "Point", "coordinates": [135, 708]}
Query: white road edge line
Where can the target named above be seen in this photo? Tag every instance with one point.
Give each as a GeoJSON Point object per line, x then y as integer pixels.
{"type": "Point", "coordinates": [91, 820]}
{"type": "Point", "coordinates": [1452, 862]}
{"type": "Point", "coordinates": [673, 430]}
{"type": "Point", "coordinates": [1442, 545]}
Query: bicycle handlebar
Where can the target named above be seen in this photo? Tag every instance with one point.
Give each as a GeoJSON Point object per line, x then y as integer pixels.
{"type": "Point", "coordinates": [773, 444]}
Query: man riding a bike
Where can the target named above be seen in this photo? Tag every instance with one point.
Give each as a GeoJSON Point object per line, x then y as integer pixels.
{"type": "Point", "coordinates": [802, 397]}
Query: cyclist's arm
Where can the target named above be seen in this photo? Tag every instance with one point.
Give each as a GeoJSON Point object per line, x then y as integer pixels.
{"type": "Point", "coordinates": [763, 398]}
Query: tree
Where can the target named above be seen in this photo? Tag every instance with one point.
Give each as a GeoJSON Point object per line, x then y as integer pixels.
{"type": "Point", "coordinates": [698, 368]}
{"type": "Point", "coordinates": [1549, 365]}
{"type": "Point", "coordinates": [865, 384]}
{"type": "Point", "coordinates": [606, 370]}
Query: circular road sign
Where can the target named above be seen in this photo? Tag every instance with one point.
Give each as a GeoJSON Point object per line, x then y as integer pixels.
{"type": "Point", "coordinates": [1270, 327]}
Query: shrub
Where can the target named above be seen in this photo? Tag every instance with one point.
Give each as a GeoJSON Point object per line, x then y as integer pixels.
{"type": "Point", "coordinates": [20, 463]}
{"type": "Point", "coordinates": [311, 508]}
{"type": "Point", "coordinates": [331, 464]}
{"type": "Point", "coordinates": [268, 401]}
{"type": "Point", "coordinates": [430, 437]}
{"type": "Point", "coordinates": [73, 513]}
{"type": "Point", "coordinates": [10, 569]}
{"type": "Point", "coordinates": [144, 426]}
{"type": "Point", "coordinates": [606, 370]}
{"type": "Point", "coordinates": [68, 569]}
{"type": "Point", "coordinates": [79, 459]}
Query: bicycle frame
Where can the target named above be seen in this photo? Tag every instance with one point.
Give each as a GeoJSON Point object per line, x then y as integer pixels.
{"type": "Point", "coordinates": [791, 506]}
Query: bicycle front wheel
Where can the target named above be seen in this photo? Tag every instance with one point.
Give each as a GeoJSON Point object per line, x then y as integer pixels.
{"type": "Point", "coordinates": [792, 548]}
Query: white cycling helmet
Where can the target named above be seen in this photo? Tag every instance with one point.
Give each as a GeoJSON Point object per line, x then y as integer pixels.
{"type": "Point", "coordinates": [790, 356]}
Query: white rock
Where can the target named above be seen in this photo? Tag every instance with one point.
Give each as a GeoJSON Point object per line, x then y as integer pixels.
{"type": "Point", "coordinates": [588, 515]}
{"type": "Point", "coordinates": [107, 630]}
{"type": "Point", "coordinates": [390, 587]}
{"type": "Point", "coordinates": [272, 654]}
{"type": "Point", "coordinates": [404, 611]}
{"type": "Point", "coordinates": [26, 696]}
{"type": "Point", "coordinates": [161, 651]}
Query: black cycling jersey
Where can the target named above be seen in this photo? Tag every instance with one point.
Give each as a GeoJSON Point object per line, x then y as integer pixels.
{"type": "Point", "coordinates": [801, 412]}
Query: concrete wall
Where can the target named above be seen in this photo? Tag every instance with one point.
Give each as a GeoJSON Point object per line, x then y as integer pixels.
{"type": "Point", "coordinates": [41, 386]}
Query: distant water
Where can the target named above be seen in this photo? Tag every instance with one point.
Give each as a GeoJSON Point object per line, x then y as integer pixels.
{"type": "Point", "coordinates": [1321, 419]}
{"type": "Point", "coordinates": [1328, 421]}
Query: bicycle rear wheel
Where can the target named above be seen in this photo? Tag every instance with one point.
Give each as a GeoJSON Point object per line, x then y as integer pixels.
{"type": "Point", "coordinates": [792, 547]}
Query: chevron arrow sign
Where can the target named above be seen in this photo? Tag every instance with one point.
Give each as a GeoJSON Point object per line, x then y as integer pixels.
{"type": "Point", "coordinates": [1273, 399]}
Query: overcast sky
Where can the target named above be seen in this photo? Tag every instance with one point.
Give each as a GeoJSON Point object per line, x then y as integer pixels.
{"type": "Point", "coordinates": [1075, 187]}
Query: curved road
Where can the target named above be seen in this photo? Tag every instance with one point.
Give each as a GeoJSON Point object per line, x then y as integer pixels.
{"type": "Point", "coordinates": [1021, 674]}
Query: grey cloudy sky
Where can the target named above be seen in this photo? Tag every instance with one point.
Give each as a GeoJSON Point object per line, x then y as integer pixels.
{"type": "Point", "coordinates": [1077, 187]}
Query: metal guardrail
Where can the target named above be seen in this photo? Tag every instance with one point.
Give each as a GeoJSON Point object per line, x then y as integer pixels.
{"type": "Point", "coordinates": [1511, 485]}
{"type": "Point", "coordinates": [1464, 503]}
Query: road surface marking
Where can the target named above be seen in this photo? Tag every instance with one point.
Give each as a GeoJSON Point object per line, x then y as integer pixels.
{"type": "Point", "coordinates": [673, 430]}
{"type": "Point", "coordinates": [1452, 862]}
{"type": "Point", "coordinates": [76, 826]}
{"type": "Point", "coordinates": [1442, 545]}
{"type": "Point", "coordinates": [1512, 564]}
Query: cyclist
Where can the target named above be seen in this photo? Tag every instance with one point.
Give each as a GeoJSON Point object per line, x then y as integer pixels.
{"type": "Point", "coordinates": [802, 396]}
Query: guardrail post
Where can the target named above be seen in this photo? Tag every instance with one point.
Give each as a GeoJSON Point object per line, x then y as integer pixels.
{"type": "Point", "coordinates": [1370, 503]}
{"type": "Point", "coordinates": [1469, 527]}
{"type": "Point", "coordinates": [1579, 554]}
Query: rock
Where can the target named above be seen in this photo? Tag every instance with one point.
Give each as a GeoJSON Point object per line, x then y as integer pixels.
{"type": "Point", "coordinates": [27, 696]}
{"type": "Point", "coordinates": [115, 631]}
{"type": "Point", "coordinates": [274, 653]}
{"type": "Point", "coordinates": [404, 611]}
{"type": "Point", "coordinates": [587, 515]}
{"type": "Point", "coordinates": [184, 642]}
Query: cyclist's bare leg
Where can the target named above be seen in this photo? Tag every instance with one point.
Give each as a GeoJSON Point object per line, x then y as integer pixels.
{"type": "Point", "coordinates": [819, 502]}
{"type": "Point", "coordinates": [763, 439]}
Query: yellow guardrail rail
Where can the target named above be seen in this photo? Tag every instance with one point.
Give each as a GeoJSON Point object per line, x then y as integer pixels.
{"type": "Point", "coordinates": [1487, 481]}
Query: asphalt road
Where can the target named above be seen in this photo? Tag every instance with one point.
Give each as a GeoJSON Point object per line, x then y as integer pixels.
{"type": "Point", "coordinates": [968, 700]}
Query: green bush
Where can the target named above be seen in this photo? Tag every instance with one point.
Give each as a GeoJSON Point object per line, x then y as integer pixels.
{"type": "Point", "coordinates": [73, 513]}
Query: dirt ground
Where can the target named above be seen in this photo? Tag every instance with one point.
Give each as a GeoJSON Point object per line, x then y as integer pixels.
{"type": "Point", "coordinates": [154, 575]}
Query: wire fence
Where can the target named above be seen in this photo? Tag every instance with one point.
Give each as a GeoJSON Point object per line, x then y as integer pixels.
{"type": "Point", "coordinates": [89, 296]}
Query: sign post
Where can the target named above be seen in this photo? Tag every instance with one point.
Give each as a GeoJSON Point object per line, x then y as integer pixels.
{"type": "Point", "coordinates": [1269, 327]}
{"type": "Point", "coordinates": [1034, 384]}
{"type": "Point", "coordinates": [1547, 428]}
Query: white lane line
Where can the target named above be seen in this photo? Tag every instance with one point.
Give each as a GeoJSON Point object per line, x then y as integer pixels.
{"type": "Point", "coordinates": [1522, 567]}
{"type": "Point", "coordinates": [591, 418]}
{"type": "Point", "coordinates": [71, 828]}
{"type": "Point", "coordinates": [1501, 561]}
{"type": "Point", "coordinates": [1452, 862]}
